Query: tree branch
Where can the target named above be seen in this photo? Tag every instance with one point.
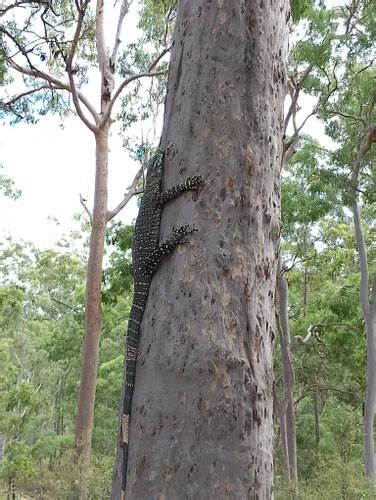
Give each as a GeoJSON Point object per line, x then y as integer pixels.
{"type": "Point", "coordinates": [81, 14]}
{"type": "Point", "coordinates": [82, 201]}
{"type": "Point", "coordinates": [297, 87]}
{"type": "Point", "coordinates": [76, 102]}
{"type": "Point", "coordinates": [126, 82]}
{"type": "Point", "coordinates": [132, 191]}
{"type": "Point", "coordinates": [345, 115]}
{"type": "Point", "coordinates": [81, 7]}
{"type": "Point", "coordinates": [130, 79]}
{"type": "Point", "coordinates": [65, 305]}
{"type": "Point", "coordinates": [4, 10]}
{"type": "Point", "coordinates": [124, 9]}
{"type": "Point", "coordinates": [20, 48]}
{"type": "Point", "coordinates": [24, 94]}
{"type": "Point", "coordinates": [100, 41]}
{"type": "Point", "coordinates": [36, 73]}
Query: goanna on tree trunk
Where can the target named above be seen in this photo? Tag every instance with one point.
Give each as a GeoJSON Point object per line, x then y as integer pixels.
{"type": "Point", "coordinates": [201, 424]}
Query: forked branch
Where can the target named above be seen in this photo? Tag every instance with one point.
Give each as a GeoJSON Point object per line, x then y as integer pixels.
{"type": "Point", "coordinates": [127, 81]}
{"type": "Point", "coordinates": [132, 191]}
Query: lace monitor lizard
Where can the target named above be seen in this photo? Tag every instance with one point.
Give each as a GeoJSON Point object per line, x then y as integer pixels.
{"type": "Point", "coordinates": [147, 254]}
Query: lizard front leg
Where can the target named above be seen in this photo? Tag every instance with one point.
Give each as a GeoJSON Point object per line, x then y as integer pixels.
{"type": "Point", "coordinates": [190, 184]}
{"type": "Point", "coordinates": [152, 263]}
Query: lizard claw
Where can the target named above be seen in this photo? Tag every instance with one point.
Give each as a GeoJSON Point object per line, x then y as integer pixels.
{"type": "Point", "coordinates": [194, 181]}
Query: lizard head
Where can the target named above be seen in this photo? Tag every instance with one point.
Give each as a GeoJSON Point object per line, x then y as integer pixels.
{"type": "Point", "coordinates": [155, 164]}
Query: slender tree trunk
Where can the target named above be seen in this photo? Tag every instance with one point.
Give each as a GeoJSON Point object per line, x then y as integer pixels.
{"type": "Point", "coordinates": [93, 316]}
{"type": "Point", "coordinates": [368, 311]}
{"type": "Point", "coordinates": [291, 440]}
{"type": "Point", "coordinates": [316, 417]}
{"type": "Point", "coordinates": [202, 422]}
{"type": "Point", "coordinates": [284, 445]}
{"type": "Point", "coordinates": [286, 411]}
{"type": "Point", "coordinates": [305, 293]}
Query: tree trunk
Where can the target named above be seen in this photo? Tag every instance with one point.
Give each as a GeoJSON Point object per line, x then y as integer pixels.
{"type": "Point", "coordinates": [93, 317]}
{"type": "Point", "coordinates": [284, 445]}
{"type": "Point", "coordinates": [305, 293]}
{"type": "Point", "coordinates": [286, 407]}
{"type": "Point", "coordinates": [369, 314]}
{"type": "Point", "coordinates": [201, 422]}
{"type": "Point", "coordinates": [316, 415]}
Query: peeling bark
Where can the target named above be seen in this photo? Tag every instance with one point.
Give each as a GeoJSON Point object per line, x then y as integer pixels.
{"type": "Point", "coordinates": [202, 406]}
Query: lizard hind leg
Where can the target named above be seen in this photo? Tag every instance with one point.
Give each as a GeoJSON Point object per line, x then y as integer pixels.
{"type": "Point", "coordinates": [176, 237]}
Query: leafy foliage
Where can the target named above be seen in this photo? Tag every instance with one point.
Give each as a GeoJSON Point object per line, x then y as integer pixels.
{"type": "Point", "coordinates": [41, 323]}
{"type": "Point", "coordinates": [7, 185]}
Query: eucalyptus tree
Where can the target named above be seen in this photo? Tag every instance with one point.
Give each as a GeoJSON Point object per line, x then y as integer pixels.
{"type": "Point", "coordinates": [201, 422]}
{"type": "Point", "coordinates": [344, 81]}
{"type": "Point", "coordinates": [41, 303]}
{"type": "Point", "coordinates": [332, 61]}
{"type": "Point", "coordinates": [49, 50]}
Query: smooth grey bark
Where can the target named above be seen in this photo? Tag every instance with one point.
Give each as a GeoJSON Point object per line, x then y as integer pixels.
{"type": "Point", "coordinates": [369, 315]}
{"type": "Point", "coordinates": [202, 422]}
{"type": "Point", "coordinates": [285, 407]}
{"type": "Point", "coordinates": [93, 313]}
{"type": "Point", "coordinates": [316, 415]}
{"type": "Point", "coordinates": [2, 447]}
{"type": "Point", "coordinates": [368, 307]}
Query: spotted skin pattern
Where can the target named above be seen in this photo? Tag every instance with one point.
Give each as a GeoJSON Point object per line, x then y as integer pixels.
{"type": "Point", "coordinates": [147, 255]}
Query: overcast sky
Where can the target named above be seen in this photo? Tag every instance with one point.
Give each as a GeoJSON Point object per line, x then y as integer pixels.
{"type": "Point", "coordinates": [53, 165]}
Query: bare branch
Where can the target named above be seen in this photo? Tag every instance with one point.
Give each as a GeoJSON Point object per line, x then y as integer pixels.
{"type": "Point", "coordinates": [76, 102]}
{"type": "Point", "coordinates": [126, 82]}
{"type": "Point", "coordinates": [77, 34]}
{"type": "Point", "coordinates": [132, 191]}
{"type": "Point", "coordinates": [295, 96]}
{"type": "Point", "coordinates": [313, 330]}
{"type": "Point", "coordinates": [290, 147]}
{"type": "Point", "coordinates": [65, 305]}
{"type": "Point", "coordinates": [346, 115]}
{"type": "Point", "coordinates": [130, 79]}
{"type": "Point", "coordinates": [157, 59]}
{"type": "Point", "coordinates": [100, 40]}
{"type": "Point", "coordinates": [24, 94]}
{"type": "Point", "coordinates": [312, 113]}
{"type": "Point", "coordinates": [82, 201]}
{"type": "Point", "coordinates": [81, 7]}
{"type": "Point", "coordinates": [336, 325]}
{"type": "Point", "coordinates": [19, 3]}
{"type": "Point", "coordinates": [124, 9]}
{"type": "Point", "coordinates": [57, 84]}
{"type": "Point", "coordinates": [20, 48]}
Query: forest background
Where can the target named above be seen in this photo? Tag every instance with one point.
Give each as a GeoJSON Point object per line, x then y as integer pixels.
{"type": "Point", "coordinates": [332, 90]}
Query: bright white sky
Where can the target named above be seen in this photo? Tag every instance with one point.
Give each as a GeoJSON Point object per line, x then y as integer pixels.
{"type": "Point", "coordinates": [53, 165]}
